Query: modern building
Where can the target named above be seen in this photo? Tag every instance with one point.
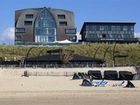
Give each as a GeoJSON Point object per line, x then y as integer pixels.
{"type": "Point", "coordinates": [121, 32]}
{"type": "Point", "coordinates": [44, 25]}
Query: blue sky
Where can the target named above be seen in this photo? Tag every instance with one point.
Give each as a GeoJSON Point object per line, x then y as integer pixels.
{"type": "Point", "coordinates": [85, 10]}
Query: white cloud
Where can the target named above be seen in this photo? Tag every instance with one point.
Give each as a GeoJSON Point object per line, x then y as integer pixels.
{"type": "Point", "coordinates": [7, 36]}
{"type": "Point", "coordinates": [137, 35]}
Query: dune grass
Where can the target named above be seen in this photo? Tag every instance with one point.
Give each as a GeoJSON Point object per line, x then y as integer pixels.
{"type": "Point", "coordinates": [125, 54]}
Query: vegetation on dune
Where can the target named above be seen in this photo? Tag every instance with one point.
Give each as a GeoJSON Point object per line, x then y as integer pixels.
{"type": "Point", "coordinates": [124, 54]}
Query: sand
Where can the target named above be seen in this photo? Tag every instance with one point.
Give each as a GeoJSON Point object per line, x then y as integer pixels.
{"type": "Point", "coordinates": [61, 90]}
{"type": "Point", "coordinates": [57, 71]}
{"type": "Point", "coordinates": [75, 98]}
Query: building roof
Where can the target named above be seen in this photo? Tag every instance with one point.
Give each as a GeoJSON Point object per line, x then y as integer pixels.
{"type": "Point", "coordinates": [38, 9]}
{"type": "Point", "coordinates": [56, 58]}
{"type": "Point", "coordinates": [109, 23]}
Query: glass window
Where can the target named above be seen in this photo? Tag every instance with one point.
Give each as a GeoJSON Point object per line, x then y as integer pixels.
{"type": "Point", "coordinates": [125, 28]}
{"type": "Point", "coordinates": [51, 31]}
{"type": "Point", "coordinates": [29, 16]}
{"type": "Point", "coordinates": [91, 36]}
{"type": "Point", "coordinates": [20, 30]}
{"type": "Point", "coordinates": [116, 36]}
{"type": "Point", "coordinates": [91, 28]}
{"type": "Point", "coordinates": [103, 35]}
{"type": "Point", "coordinates": [63, 23]}
{"type": "Point", "coordinates": [131, 36]}
{"type": "Point", "coordinates": [102, 28]}
{"type": "Point", "coordinates": [51, 39]}
{"type": "Point", "coordinates": [122, 35]}
{"type": "Point", "coordinates": [73, 38]}
{"type": "Point", "coordinates": [113, 28]}
{"type": "Point", "coordinates": [118, 28]}
{"type": "Point", "coordinates": [90, 32]}
{"type": "Point", "coordinates": [126, 36]}
{"type": "Point", "coordinates": [18, 37]}
{"type": "Point", "coordinates": [106, 28]}
{"type": "Point", "coordinates": [132, 28]}
{"type": "Point", "coordinates": [61, 16]}
{"type": "Point", "coordinates": [119, 36]}
{"type": "Point", "coordinates": [70, 31]}
{"type": "Point", "coordinates": [111, 36]}
{"type": "Point", "coordinates": [45, 27]}
{"type": "Point", "coordinates": [97, 28]}
{"type": "Point", "coordinates": [27, 23]}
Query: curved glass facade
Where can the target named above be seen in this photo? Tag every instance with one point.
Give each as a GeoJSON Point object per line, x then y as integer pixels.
{"type": "Point", "coordinates": [45, 27]}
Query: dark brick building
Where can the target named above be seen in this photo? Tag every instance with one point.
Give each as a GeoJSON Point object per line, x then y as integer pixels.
{"type": "Point", "coordinates": [44, 25]}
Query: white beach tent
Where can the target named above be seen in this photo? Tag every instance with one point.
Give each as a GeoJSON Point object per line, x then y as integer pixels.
{"type": "Point", "coordinates": [64, 41]}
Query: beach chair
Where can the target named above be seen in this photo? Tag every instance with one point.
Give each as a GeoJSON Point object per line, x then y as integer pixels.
{"type": "Point", "coordinates": [110, 75]}
{"type": "Point", "coordinates": [95, 74]}
{"type": "Point", "coordinates": [125, 75]}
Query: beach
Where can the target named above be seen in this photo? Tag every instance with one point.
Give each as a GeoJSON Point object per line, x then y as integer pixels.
{"type": "Point", "coordinates": [16, 89]}
{"type": "Point", "coordinates": [74, 98]}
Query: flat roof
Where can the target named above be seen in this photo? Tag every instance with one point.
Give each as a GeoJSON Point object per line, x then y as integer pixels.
{"type": "Point", "coordinates": [109, 23]}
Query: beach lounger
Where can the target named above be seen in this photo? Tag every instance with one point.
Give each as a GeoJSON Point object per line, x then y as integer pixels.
{"type": "Point", "coordinates": [95, 74]}
{"type": "Point", "coordinates": [110, 75]}
{"type": "Point", "coordinates": [125, 75]}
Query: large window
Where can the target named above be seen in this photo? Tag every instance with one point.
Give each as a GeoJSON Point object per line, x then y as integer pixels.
{"type": "Point", "coordinates": [70, 31]}
{"type": "Point", "coordinates": [45, 27]}
{"type": "Point", "coordinates": [91, 36]}
{"type": "Point", "coordinates": [18, 38]}
{"type": "Point", "coordinates": [113, 28]}
{"type": "Point", "coordinates": [27, 23]}
{"type": "Point", "coordinates": [20, 30]}
{"type": "Point", "coordinates": [29, 16]}
{"type": "Point", "coordinates": [61, 16]}
{"type": "Point", "coordinates": [118, 28]}
{"type": "Point", "coordinates": [91, 28]}
{"type": "Point", "coordinates": [125, 28]}
{"type": "Point", "coordinates": [102, 28]}
{"type": "Point", "coordinates": [131, 28]}
{"type": "Point", "coordinates": [103, 36]}
{"type": "Point", "coordinates": [106, 28]}
{"type": "Point", "coordinates": [63, 23]}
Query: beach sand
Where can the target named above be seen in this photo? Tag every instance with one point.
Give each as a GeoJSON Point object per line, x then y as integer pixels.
{"type": "Point", "coordinates": [61, 90]}
{"type": "Point", "coordinates": [74, 98]}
